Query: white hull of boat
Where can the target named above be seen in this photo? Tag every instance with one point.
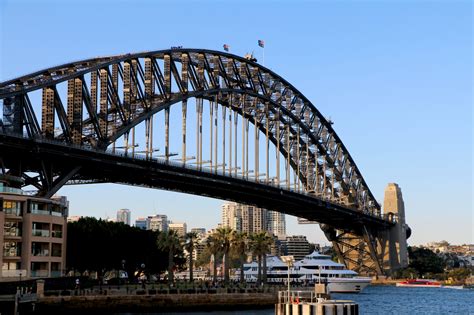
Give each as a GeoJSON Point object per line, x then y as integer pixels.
{"type": "Point", "coordinates": [418, 285]}
{"type": "Point", "coordinates": [454, 287]}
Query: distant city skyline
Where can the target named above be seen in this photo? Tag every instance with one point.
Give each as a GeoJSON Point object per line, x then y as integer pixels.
{"type": "Point", "coordinates": [395, 78]}
{"type": "Point", "coordinates": [124, 216]}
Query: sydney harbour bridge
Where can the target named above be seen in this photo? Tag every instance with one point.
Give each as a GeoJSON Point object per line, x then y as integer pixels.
{"type": "Point", "coordinates": [199, 122]}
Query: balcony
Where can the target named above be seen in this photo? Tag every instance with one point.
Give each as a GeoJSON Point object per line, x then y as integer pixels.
{"type": "Point", "coordinates": [12, 252]}
{"type": "Point", "coordinates": [39, 211]}
{"type": "Point", "coordinates": [13, 273]}
{"type": "Point", "coordinates": [11, 190]}
{"type": "Point", "coordinates": [57, 234]}
{"type": "Point", "coordinates": [41, 233]}
{"type": "Point", "coordinates": [12, 211]}
{"type": "Point", "coordinates": [39, 273]}
{"type": "Point", "coordinates": [56, 213]}
{"type": "Point", "coordinates": [41, 253]}
{"type": "Point", "coordinates": [56, 273]}
{"type": "Point", "coordinates": [12, 233]}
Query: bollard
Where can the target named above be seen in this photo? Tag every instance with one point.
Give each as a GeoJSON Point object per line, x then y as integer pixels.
{"type": "Point", "coordinates": [330, 307]}
{"type": "Point", "coordinates": [40, 288]}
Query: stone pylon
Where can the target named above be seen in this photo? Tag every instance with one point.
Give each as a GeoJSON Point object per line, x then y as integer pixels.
{"type": "Point", "coordinates": [395, 253]}
{"type": "Point", "coordinates": [375, 251]}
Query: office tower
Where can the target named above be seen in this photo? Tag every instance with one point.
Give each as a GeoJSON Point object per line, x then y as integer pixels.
{"type": "Point", "coordinates": [180, 228]}
{"type": "Point", "coordinates": [123, 215]}
{"type": "Point", "coordinates": [141, 223]}
{"type": "Point", "coordinates": [157, 222]}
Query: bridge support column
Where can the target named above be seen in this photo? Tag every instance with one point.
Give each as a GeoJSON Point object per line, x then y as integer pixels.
{"type": "Point", "coordinates": [375, 251]}
{"type": "Point", "coordinates": [395, 239]}
{"type": "Point", "coordinates": [360, 253]}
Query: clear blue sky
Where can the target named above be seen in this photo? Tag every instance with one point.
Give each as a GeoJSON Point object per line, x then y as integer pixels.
{"type": "Point", "coordinates": [394, 76]}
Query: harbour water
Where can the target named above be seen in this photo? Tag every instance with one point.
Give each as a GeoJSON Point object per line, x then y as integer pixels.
{"type": "Point", "coordinates": [393, 300]}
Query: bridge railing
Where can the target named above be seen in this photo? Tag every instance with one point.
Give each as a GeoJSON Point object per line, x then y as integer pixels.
{"type": "Point", "coordinates": [385, 216]}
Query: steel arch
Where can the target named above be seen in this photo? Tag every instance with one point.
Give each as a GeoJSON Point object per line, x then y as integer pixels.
{"type": "Point", "coordinates": [209, 74]}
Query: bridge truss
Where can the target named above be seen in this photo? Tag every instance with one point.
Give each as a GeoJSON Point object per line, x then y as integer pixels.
{"type": "Point", "coordinates": [212, 112]}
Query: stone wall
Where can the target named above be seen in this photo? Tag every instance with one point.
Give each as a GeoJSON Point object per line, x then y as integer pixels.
{"type": "Point", "coordinates": [155, 303]}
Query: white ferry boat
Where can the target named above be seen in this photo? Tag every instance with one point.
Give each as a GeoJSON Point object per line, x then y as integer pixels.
{"type": "Point", "coordinates": [313, 268]}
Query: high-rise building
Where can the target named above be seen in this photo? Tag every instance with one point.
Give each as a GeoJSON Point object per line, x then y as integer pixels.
{"type": "Point", "coordinates": [201, 232]}
{"type": "Point", "coordinates": [260, 220]}
{"type": "Point", "coordinates": [141, 223]}
{"type": "Point", "coordinates": [123, 215]}
{"type": "Point", "coordinates": [276, 223]}
{"type": "Point", "coordinates": [33, 232]}
{"type": "Point", "coordinates": [180, 228]}
{"type": "Point", "coordinates": [297, 246]}
{"type": "Point", "coordinates": [250, 219]}
{"type": "Point", "coordinates": [199, 247]}
{"type": "Point", "coordinates": [247, 219]}
{"type": "Point", "coordinates": [232, 216]}
{"type": "Point", "coordinates": [157, 222]}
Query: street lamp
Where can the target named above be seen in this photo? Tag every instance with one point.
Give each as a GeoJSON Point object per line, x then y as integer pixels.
{"type": "Point", "coordinates": [289, 261]}
{"type": "Point", "coordinates": [142, 275]}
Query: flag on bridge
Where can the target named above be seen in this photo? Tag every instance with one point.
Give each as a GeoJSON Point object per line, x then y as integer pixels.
{"type": "Point", "coordinates": [261, 43]}
{"type": "Point", "coordinates": [226, 47]}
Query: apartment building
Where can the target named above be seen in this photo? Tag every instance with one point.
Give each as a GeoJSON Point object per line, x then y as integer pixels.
{"type": "Point", "coordinates": [32, 232]}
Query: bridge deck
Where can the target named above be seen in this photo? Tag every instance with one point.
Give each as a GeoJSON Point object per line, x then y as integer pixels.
{"type": "Point", "coordinates": [100, 166]}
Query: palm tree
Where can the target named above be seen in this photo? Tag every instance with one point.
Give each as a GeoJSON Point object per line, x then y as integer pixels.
{"type": "Point", "coordinates": [191, 239]}
{"type": "Point", "coordinates": [213, 246]}
{"type": "Point", "coordinates": [260, 245]}
{"type": "Point", "coordinates": [169, 242]}
{"type": "Point", "coordinates": [239, 248]}
{"type": "Point", "coordinates": [224, 237]}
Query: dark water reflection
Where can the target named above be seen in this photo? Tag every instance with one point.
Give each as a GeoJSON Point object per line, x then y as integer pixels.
{"type": "Point", "coordinates": [390, 300]}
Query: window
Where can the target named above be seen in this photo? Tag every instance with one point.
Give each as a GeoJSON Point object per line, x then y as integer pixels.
{"type": "Point", "coordinates": [40, 229]}
{"type": "Point", "coordinates": [39, 249]}
{"type": "Point", "coordinates": [12, 228]}
{"type": "Point", "coordinates": [12, 207]}
{"type": "Point", "coordinates": [56, 250]}
{"type": "Point", "coordinates": [57, 231]}
{"type": "Point", "coordinates": [55, 269]}
{"type": "Point", "coordinates": [39, 269]}
{"type": "Point", "coordinates": [39, 208]}
{"type": "Point", "coordinates": [56, 210]}
{"type": "Point", "coordinates": [12, 249]}
{"type": "Point", "coordinates": [11, 266]}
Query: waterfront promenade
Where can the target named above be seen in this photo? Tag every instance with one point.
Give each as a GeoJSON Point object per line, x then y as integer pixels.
{"type": "Point", "coordinates": [133, 298]}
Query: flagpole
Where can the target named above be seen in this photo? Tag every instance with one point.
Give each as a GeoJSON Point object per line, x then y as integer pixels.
{"type": "Point", "coordinates": [261, 43]}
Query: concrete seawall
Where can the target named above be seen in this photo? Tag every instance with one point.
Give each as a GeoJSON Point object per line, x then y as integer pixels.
{"type": "Point", "coordinates": [155, 303]}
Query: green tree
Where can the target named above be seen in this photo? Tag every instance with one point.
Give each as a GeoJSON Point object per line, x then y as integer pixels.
{"type": "Point", "coordinates": [425, 261]}
{"type": "Point", "coordinates": [459, 274]}
{"type": "Point", "coordinates": [224, 238]}
{"type": "Point", "coordinates": [239, 249]}
{"type": "Point", "coordinates": [190, 242]}
{"type": "Point", "coordinates": [98, 245]}
{"type": "Point", "coordinates": [405, 273]}
{"type": "Point", "coordinates": [169, 242]}
{"type": "Point", "coordinates": [260, 245]}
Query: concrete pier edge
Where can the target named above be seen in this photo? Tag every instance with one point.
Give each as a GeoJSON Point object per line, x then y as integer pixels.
{"type": "Point", "coordinates": [155, 303]}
